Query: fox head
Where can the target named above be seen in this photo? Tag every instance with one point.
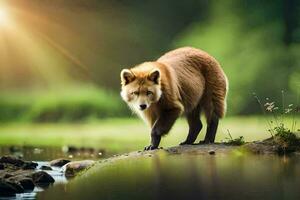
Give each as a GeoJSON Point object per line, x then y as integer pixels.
{"type": "Point", "coordinates": [141, 88]}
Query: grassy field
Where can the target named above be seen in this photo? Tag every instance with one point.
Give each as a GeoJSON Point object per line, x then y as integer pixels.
{"type": "Point", "coordinates": [121, 134]}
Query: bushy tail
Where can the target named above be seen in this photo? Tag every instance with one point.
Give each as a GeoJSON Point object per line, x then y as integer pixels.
{"type": "Point", "coordinates": [216, 90]}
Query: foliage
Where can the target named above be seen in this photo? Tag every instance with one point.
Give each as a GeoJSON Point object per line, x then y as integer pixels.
{"type": "Point", "coordinates": [75, 41]}
{"type": "Point", "coordinates": [251, 49]}
{"type": "Point", "coordinates": [283, 134]}
{"type": "Point", "coordinates": [285, 137]}
{"type": "Point", "coordinates": [69, 104]}
{"type": "Point", "coordinates": [234, 141]}
{"type": "Point", "coordinates": [277, 124]}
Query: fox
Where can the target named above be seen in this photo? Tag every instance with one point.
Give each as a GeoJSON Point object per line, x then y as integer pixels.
{"type": "Point", "coordinates": [182, 82]}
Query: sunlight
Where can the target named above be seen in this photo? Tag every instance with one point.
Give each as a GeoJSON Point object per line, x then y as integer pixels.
{"type": "Point", "coordinates": [44, 58]}
{"type": "Point", "coordinates": [3, 17]}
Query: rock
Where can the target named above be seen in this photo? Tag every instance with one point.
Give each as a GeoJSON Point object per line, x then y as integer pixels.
{"type": "Point", "coordinates": [27, 183]}
{"type": "Point", "coordinates": [29, 165]}
{"type": "Point", "coordinates": [1, 166]}
{"type": "Point", "coordinates": [11, 160]}
{"type": "Point", "coordinates": [11, 186]}
{"type": "Point", "coordinates": [7, 175]}
{"type": "Point", "coordinates": [15, 163]}
{"type": "Point", "coordinates": [8, 188]}
{"type": "Point", "coordinates": [42, 177]}
{"type": "Point", "coordinates": [18, 175]}
{"type": "Point", "coordinates": [212, 152]}
{"type": "Point", "coordinates": [17, 186]}
{"type": "Point", "coordinates": [261, 147]}
{"type": "Point", "coordinates": [45, 168]}
{"type": "Point", "coordinates": [59, 162]}
{"type": "Point", "coordinates": [27, 179]}
{"type": "Point", "coordinates": [22, 178]}
{"type": "Point", "coordinates": [73, 168]}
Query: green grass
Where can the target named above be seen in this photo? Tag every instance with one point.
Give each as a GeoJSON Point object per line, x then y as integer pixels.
{"type": "Point", "coordinates": [121, 134]}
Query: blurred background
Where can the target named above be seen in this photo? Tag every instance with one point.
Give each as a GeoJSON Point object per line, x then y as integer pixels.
{"type": "Point", "coordinates": [60, 59]}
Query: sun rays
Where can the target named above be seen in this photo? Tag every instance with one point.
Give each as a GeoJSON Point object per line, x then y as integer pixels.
{"type": "Point", "coordinates": [26, 47]}
{"type": "Point", "coordinates": [3, 17]}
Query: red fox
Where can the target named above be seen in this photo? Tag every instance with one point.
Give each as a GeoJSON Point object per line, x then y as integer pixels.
{"type": "Point", "coordinates": [183, 81]}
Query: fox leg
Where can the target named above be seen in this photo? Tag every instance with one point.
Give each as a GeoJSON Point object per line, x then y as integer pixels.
{"type": "Point", "coordinates": [195, 126]}
{"type": "Point", "coordinates": [212, 126]}
{"type": "Point", "coordinates": [162, 126]}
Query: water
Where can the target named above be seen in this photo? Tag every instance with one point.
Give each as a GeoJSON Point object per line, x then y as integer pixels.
{"type": "Point", "coordinates": [164, 176]}
{"type": "Point", "coordinates": [42, 155]}
{"type": "Point", "coordinates": [56, 173]}
{"type": "Point", "coordinates": [187, 177]}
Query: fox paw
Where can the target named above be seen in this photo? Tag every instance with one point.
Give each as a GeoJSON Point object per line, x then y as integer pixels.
{"type": "Point", "coordinates": [150, 147]}
{"type": "Point", "coordinates": [205, 142]}
{"type": "Point", "coordinates": [185, 143]}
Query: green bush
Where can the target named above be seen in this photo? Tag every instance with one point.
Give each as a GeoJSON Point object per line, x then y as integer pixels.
{"type": "Point", "coordinates": [71, 104]}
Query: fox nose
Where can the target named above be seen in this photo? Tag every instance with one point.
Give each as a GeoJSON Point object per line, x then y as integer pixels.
{"type": "Point", "coordinates": [143, 106]}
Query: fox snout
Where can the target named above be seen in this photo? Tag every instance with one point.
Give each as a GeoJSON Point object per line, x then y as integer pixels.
{"type": "Point", "coordinates": [143, 106]}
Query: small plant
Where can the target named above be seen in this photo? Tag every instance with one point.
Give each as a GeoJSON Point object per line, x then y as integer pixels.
{"type": "Point", "coordinates": [283, 135]}
{"type": "Point", "coordinates": [234, 141]}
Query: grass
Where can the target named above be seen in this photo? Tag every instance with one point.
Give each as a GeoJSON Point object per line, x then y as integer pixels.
{"type": "Point", "coordinates": [121, 134]}
{"type": "Point", "coordinates": [235, 141]}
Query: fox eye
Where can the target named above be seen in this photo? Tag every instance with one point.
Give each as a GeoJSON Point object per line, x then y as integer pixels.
{"type": "Point", "coordinates": [135, 93]}
{"type": "Point", "coordinates": [149, 93]}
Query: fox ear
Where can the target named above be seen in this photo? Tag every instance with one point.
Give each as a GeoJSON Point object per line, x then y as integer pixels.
{"type": "Point", "coordinates": [154, 76]}
{"type": "Point", "coordinates": [126, 76]}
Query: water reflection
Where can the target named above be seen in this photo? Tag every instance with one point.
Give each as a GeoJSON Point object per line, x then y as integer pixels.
{"type": "Point", "coordinates": [23, 196]}
{"type": "Point", "coordinates": [51, 153]}
{"type": "Point", "coordinates": [188, 177]}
